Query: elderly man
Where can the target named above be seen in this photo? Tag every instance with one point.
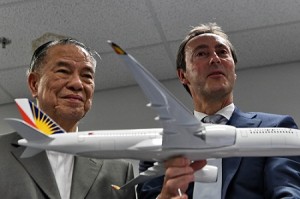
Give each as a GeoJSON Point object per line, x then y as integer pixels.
{"type": "Point", "coordinates": [61, 79]}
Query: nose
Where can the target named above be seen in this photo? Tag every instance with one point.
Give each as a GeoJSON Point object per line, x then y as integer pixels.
{"type": "Point", "coordinates": [214, 59]}
{"type": "Point", "coordinates": [75, 83]}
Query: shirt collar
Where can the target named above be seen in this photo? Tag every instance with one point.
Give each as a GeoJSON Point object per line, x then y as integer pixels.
{"type": "Point", "coordinates": [226, 112]}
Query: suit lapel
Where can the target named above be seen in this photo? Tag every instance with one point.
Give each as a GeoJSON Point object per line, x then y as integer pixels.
{"type": "Point", "coordinates": [240, 119]}
{"type": "Point", "coordinates": [230, 165]}
{"type": "Point", "coordinates": [39, 168]}
{"type": "Point", "coordinates": [85, 173]}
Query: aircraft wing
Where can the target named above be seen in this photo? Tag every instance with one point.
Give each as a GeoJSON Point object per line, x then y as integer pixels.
{"type": "Point", "coordinates": [156, 170]}
{"type": "Point", "coordinates": [208, 174]}
{"type": "Point", "coordinates": [179, 124]}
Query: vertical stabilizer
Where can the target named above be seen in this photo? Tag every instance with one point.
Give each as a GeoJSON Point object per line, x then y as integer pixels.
{"type": "Point", "coordinates": [36, 118]}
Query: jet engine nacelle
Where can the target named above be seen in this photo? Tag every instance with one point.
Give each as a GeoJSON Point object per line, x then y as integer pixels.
{"type": "Point", "coordinates": [207, 174]}
{"type": "Point", "coordinates": [218, 135]}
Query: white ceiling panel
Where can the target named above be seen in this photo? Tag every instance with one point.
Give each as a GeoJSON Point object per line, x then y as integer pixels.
{"type": "Point", "coordinates": [4, 97]}
{"type": "Point", "coordinates": [14, 82]}
{"type": "Point", "coordinates": [177, 17]}
{"type": "Point", "coordinates": [93, 22]}
{"type": "Point", "coordinates": [268, 46]}
{"type": "Point", "coordinates": [156, 60]}
{"type": "Point", "coordinates": [111, 69]}
{"type": "Point", "coordinates": [264, 47]}
{"type": "Point", "coordinates": [264, 32]}
{"type": "Point", "coordinates": [110, 73]}
{"type": "Point", "coordinates": [9, 2]}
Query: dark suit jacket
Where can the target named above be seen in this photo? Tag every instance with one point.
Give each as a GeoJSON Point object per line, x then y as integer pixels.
{"type": "Point", "coordinates": [248, 177]}
{"type": "Point", "coordinates": [33, 177]}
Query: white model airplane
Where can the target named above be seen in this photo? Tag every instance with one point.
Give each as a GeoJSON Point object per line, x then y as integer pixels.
{"type": "Point", "coordinates": [181, 134]}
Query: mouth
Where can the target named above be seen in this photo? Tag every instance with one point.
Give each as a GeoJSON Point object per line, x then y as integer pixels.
{"type": "Point", "coordinates": [74, 98]}
{"type": "Point", "coordinates": [216, 74]}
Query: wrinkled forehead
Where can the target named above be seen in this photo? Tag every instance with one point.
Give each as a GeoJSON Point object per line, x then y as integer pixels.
{"type": "Point", "coordinates": [67, 49]}
{"type": "Point", "coordinates": [70, 51]}
{"type": "Point", "coordinates": [206, 39]}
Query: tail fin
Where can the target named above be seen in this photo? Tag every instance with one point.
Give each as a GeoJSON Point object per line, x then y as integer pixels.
{"type": "Point", "coordinates": [36, 118]}
{"type": "Point", "coordinates": [35, 126]}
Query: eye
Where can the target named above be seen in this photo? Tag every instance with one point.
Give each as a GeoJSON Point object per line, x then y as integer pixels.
{"type": "Point", "coordinates": [223, 52]}
{"type": "Point", "coordinates": [201, 54]}
{"type": "Point", "coordinates": [88, 76]}
{"type": "Point", "coordinates": [62, 70]}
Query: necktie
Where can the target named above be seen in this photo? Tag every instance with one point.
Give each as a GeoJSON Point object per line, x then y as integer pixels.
{"type": "Point", "coordinates": [215, 119]}
{"type": "Point", "coordinates": [211, 190]}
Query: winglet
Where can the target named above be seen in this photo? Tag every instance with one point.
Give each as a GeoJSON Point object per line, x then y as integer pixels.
{"type": "Point", "coordinates": [115, 187]}
{"type": "Point", "coordinates": [117, 48]}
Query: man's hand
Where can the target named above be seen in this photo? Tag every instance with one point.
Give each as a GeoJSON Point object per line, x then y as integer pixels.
{"type": "Point", "coordinates": [184, 196]}
{"type": "Point", "coordinates": [179, 173]}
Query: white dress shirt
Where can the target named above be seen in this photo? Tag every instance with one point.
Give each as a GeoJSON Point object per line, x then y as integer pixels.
{"type": "Point", "coordinates": [212, 190]}
{"type": "Point", "coordinates": [62, 166]}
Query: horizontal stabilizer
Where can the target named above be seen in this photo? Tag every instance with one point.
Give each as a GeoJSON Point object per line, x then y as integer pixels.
{"type": "Point", "coordinates": [26, 131]}
{"type": "Point", "coordinates": [29, 152]}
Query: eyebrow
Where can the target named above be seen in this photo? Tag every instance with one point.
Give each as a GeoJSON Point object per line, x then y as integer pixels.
{"type": "Point", "coordinates": [86, 68]}
{"type": "Point", "coordinates": [203, 46]}
{"type": "Point", "coordinates": [62, 63]}
{"type": "Point", "coordinates": [220, 45]}
{"type": "Point", "coordinates": [90, 69]}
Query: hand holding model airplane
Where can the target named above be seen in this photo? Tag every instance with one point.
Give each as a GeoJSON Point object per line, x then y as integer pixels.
{"type": "Point", "coordinates": [181, 134]}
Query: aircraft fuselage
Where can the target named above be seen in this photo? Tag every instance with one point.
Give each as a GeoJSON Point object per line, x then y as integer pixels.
{"type": "Point", "coordinates": [145, 144]}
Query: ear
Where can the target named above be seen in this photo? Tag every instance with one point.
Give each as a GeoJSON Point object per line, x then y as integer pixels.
{"type": "Point", "coordinates": [182, 76]}
{"type": "Point", "coordinates": [33, 83]}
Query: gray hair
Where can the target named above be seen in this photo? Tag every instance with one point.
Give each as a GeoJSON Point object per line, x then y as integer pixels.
{"type": "Point", "coordinates": [41, 52]}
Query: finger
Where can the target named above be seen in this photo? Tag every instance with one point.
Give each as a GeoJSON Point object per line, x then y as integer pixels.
{"type": "Point", "coordinates": [174, 172]}
{"type": "Point", "coordinates": [197, 165]}
{"type": "Point", "coordinates": [184, 196]}
{"type": "Point", "coordinates": [177, 162]}
{"type": "Point", "coordinates": [171, 185]}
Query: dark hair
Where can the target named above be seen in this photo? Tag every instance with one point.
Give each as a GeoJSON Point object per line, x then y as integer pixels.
{"type": "Point", "coordinates": [41, 52]}
{"type": "Point", "coordinates": [199, 30]}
